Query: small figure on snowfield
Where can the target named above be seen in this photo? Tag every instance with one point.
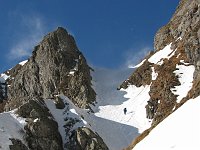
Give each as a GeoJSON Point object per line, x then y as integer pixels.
{"type": "Point", "coordinates": [125, 110]}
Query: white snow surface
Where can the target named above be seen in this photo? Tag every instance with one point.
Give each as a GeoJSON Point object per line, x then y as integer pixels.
{"type": "Point", "coordinates": [159, 56]}
{"type": "Point", "coordinates": [185, 77]}
{"type": "Point", "coordinates": [71, 72]}
{"type": "Point", "coordinates": [154, 74]}
{"type": "Point", "coordinates": [11, 126]}
{"type": "Point", "coordinates": [138, 65]}
{"type": "Point", "coordinates": [109, 121]}
{"type": "Point", "coordinates": [179, 131]}
{"type": "Point", "coordinates": [4, 77]}
{"type": "Point", "coordinates": [60, 114]}
{"type": "Point", "coordinates": [23, 62]}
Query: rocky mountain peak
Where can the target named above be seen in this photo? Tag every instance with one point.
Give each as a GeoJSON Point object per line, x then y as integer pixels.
{"type": "Point", "coordinates": [54, 77]}
{"type": "Point", "coordinates": [59, 40]}
{"type": "Point", "coordinates": [56, 66]}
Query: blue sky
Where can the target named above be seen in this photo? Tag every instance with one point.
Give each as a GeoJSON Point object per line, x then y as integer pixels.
{"type": "Point", "coordinates": [110, 33]}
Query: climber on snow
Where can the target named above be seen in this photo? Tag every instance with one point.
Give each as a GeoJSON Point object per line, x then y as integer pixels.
{"type": "Point", "coordinates": [125, 110]}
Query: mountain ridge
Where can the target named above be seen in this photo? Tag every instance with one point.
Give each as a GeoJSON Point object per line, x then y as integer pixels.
{"type": "Point", "coordinates": [57, 102]}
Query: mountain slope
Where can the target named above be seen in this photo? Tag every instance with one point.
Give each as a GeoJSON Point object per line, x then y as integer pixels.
{"type": "Point", "coordinates": [65, 107]}
{"type": "Point", "coordinates": [172, 69]}
{"type": "Point", "coordinates": [178, 131]}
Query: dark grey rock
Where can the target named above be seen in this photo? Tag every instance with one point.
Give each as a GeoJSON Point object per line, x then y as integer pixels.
{"type": "Point", "coordinates": [85, 139]}
{"type": "Point", "coordinates": [17, 145]}
{"type": "Point", "coordinates": [3, 91]}
{"type": "Point", "coordinates": [41, 129]}
{"type": "Point", "coordinates": [59, 103]}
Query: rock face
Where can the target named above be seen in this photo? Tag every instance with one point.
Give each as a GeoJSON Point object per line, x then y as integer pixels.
{"type": "Point", "coordinates": [84, 138]}
{"type": "Point", "coordinates": [56, 66]}
{"type": "Point", "coordinates": [141, 76]}
{"type": "Point", "coordinates": [3, 90]}
{"type": "Point", "coordinates": [41, 129]}
{"type": "Point", "coordinates": [17, 145]}
{"type": "Point", "coordinates": [3, 93]}
{"type": "Point", "coordinates": [183, 33]}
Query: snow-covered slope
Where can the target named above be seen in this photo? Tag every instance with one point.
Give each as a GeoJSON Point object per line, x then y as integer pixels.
{"type": "Point", "coordinates": [109, 120]}
{"type": "Point", "coordinates": [11, 126]}
{"type": "Point", "coordinates": [64, 116]}
{"type": "Point", "coordinates": [179, 131]}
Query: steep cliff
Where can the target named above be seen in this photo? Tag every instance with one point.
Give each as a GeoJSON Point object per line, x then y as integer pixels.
{"type": "Point", "coordinates": [176, 48]}
{"type": "Point", "coordinates": [56, 66]}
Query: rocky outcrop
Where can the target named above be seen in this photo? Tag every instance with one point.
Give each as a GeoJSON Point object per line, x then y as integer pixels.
{"type": "Point", "coordinates": [184, 26]}
{"type": "Point", "coordinates": [141, 76]}
{"type": "Point", "coordinates": [3, 93]}
{"type": "Point", "coordinates": [3, 90]}
{"type": "Point", "coordinates": [56, 66]}
{"type": "Point", "coordinates": [41, 129]}
{"type": "Point", "coordinates": [183, 32]}
{"type": "Point", "coordinates": [17, 145]}
{"type": "Point", "coordinates": [84, 138]}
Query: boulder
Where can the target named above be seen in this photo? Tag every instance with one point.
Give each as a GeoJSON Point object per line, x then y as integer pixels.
{"type": "Point", "coordinates": [41, 129]}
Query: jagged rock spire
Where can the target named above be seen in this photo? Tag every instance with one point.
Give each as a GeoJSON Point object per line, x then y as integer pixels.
{"type": "Point", "coordinates": [56, 66]}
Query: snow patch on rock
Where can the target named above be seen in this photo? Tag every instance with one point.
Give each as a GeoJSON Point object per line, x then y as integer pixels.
{"type": "Point", "coordinates": [138, 65]}
{"type": "Point", "coordinates": [23, 62]}
{"type": "Point", "coordinates": [185, 77]}
{"type": "Point", "coordinates": [159, 56]}
{"type": "Point", "coordinates": [154, 74]}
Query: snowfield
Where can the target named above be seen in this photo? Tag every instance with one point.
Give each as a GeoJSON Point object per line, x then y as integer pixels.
{"type": "Point", "coordinates": [179, 131]}
{"type": "Point", "coordinates": [109, 121]}
{"type": "Point", "coordinates": [110, 103]}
